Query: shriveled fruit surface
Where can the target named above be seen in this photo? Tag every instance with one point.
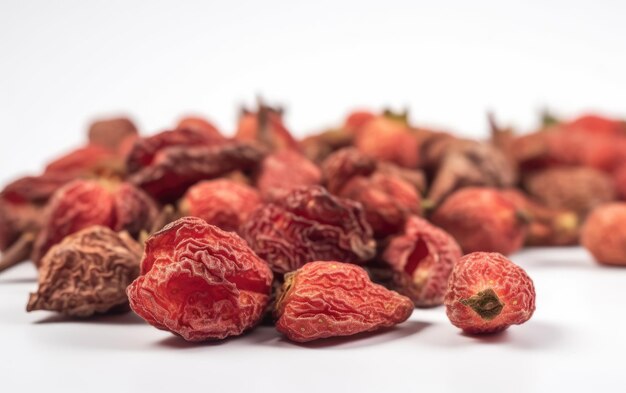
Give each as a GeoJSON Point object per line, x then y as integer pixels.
{"type": "Point", "coordinates": [200, 282]}
{"type": "Point", "coordinates": [487, 293]}
{"type": "Point", "coordinates": [329, 299]}
{"type": "Point", "coordinates": [604, 233]}
{"type": "Point", "coordinates": [309, 224]}
{"type": "Point", "coordinates": [284, 171]}
{"type": "Point", "coordinates": [224, 203]}
{"type": "Point", "coordinates": [423, 258]}
{"type": "Point", "coordinates": [482, 219]}
{"type": "Point", "coordinates": [87, 273]}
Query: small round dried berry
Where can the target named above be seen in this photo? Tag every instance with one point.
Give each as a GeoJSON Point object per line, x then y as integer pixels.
{"type": "Point", "coordinates": [387, 200]}
{"type": "Point", "coordinates": [266, 127]}
{"type": "Point", "coordinates": [329, 299]}
{"type": "Point", "coordinates": [341, 166]}
{"type": "Point", "coordinates": [388, 139]}
{"type": "Point", "coordinates": [224, 203]}
{"type": "Point", "coordinates": [482, 219]}
{"type": "Point", "coordinates": [487, 293]}
{"type": "Point", "coordinates": [424, 257]}
{"type": "Point", "coordinates": [309, 224]}
{"type": "Point", "coordinates": [604, 234]}
{"type": "Point", "coordinates": [283, 171]}
{"type": "Point", "coordinates": [83, 203]}
{"type": "Point", "coordinates": [111, 133]}
{"type": "Point", "coordinates": [200, 282]}
{"type": "Point", "coordinates": [578, 189]}
{"type": "Point", "coordinates": [87, 273]}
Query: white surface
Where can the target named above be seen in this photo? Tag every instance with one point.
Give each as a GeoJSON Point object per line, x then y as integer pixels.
{"type": "Point", "coordinates": [448, 61]}
{"type": "Point", "coordinates": [574, 342]}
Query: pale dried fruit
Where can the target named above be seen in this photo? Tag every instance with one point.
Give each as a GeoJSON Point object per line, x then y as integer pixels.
{"type": "Point", "coordinates": [87, 273]}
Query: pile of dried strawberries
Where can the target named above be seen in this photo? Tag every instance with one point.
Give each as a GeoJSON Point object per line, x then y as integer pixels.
{"type": "Point", "coordinates": [343, 232]}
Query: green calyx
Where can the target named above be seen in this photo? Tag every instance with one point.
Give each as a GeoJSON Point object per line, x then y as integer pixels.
{"type": "Point", "coordinates": [486, 304]}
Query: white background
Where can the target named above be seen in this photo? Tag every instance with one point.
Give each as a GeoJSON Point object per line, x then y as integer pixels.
{"type": "Point", "coordinates": [63, 63]}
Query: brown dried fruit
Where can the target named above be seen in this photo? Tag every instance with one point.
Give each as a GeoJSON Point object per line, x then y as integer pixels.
{"type": "Point", "coordinates": [309, 224]}
{"type": "Point", "coordinates": [87, 273]}
{"type": "Point", "coordinates": [111, 133]}
{"type": "Point", "coordinates": [471, 164]}
{"type": "Point", "coordinates": [222, 202]}
{"type": "Point", "coordinates": [283, 171]}
{"type": "Point", "coordinates": [36, 190]}
{"type": "Point", "coordinates": [318, 147]}
{"type": "Point", "coordinates": [578, 189]}
{"type": "Point", "coordinates": [174, 169]}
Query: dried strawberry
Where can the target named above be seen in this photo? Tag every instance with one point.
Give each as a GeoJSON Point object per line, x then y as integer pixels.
{"type": "Point", "coordinates": [221, 202]}
{"type": "Point", "coordinates": [604, 234]}
{"type": "Point", "coordinates": [283, 171]}
{"type": "Point", "coordinates": [424, 256]}
{"type": "Point", "coordinates": [578, 189]}
{"type": "Point", "coordinates": [83, 203]}
{"type": "Point", "coordinates": [482, 219]}
{"type": "Point", "coordinates": [309, 224]}
{"type": "Point", "coordinates": [329, 299]}
{"type": "Point", "coordinates": [487, 293]}
{"type": "Point", "coordinates": [200, 282]}
{"type": "Point", "coordinates": [87, 273]}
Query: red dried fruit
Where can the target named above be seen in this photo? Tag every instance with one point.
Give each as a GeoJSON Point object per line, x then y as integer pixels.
{"type": "Point", "coordinates": [482, 219]}
{"type": "Point", "coordinates": [200, 282]}
{"type": "Point", "coordinates": [341, 166]}
{"type": "Point", "coordinates": [83, 203]}
{"type": "Point", "coordinates": [357, 119]}
{"type": "Point", "coordinates": [329, 299]}
{"type": "Point", "coordinates": [388, 139]}
{"type": "Point", "coordinates": [265, 126]}
{"type": "Point", "coordinates": [604, 234]}
{"type": "Point", "coordinates": [547, 227]}
{"type": "Point", "coordinates": [387, 200]}
{"type": "Point", "coordinates": [424, 255]}
{"type": "Point", "coordinates": [111, 133]}
{"type": "Point", "coordinates": [174, 169]}
{"type": "Point", "coordinates": [87, 161]}
{"type": "Point", "coordinates": [222, 202]}
{"type": "Point", "coordinates": [35, 189]}
{"type": "Point", "coordinates": [283, 171]}
{"type": "Point", "coordinates": [309, 224]}
{"type": "Point", "coordinates": [487, 293]}
{"type": "Point", "coordinates": [201, 125]}
{"type": "Point", "coordinates": [144, 151]}
{"type": "Point", "coordinates": [87, 273]}
{"type": "Point", "coordinates": [578, 189]}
